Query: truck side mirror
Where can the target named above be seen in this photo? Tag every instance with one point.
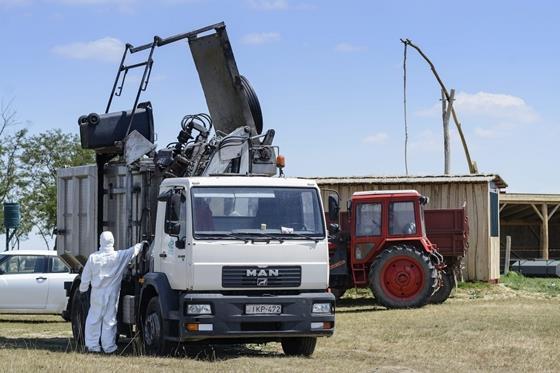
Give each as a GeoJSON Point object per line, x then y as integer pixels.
{"type": "Point", "coordinates": [334, 208]}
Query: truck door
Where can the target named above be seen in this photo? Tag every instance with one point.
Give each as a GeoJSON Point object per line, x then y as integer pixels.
{"type": "Point", "coordinates": [367, 236]}
{"type": "Point", "coordinates": [174, 230]}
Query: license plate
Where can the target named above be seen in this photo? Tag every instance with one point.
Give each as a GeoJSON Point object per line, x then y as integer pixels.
{"type": "Point", "coordinates": [252, 309]}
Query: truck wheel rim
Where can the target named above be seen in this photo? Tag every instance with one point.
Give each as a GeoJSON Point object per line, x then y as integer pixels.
{"type": "Point", "coordinates": [402, 277]}
{"type": "Point", "coordinates": [151, 329]}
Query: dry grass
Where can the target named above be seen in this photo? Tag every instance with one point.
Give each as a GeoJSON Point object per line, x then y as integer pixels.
{"type": "Point", "coordinates": [481, 329]}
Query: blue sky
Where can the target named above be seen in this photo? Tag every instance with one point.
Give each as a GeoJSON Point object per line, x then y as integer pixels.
{"type": "Point", "coordinates": [328, 75]}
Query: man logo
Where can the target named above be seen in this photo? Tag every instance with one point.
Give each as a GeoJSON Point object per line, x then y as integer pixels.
{"type": "Point", "coordinates": [262, 273]}
{"type": "Point", "coordinates": [263, 281]}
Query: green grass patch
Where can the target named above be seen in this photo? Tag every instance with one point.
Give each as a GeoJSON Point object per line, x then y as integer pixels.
{"type": "Point", "coordinates": [546, 285]}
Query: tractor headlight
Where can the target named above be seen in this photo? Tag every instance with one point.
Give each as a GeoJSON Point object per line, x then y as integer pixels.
{"type": "Point", "coordinates": [199, 309]}
{"type": "Point", "coordinates": [322, 308]}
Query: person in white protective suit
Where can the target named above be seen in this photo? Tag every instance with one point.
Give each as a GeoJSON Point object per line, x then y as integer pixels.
{"type": "Point", "coordinates": [104, 271]}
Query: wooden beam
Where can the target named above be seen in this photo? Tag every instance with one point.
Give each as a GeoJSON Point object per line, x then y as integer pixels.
{"type": "Point", "coordinates": [538, 212]}
{"type": "Point", "coordinates": [553, 211]}
{"type": "Point", "coordinates": [544, 241]}
{"type": "Point", "coordinates": [514, 210]}
{"type": "Point", "coordinates": [524, 198]}
{"type": "Point", "coordinates": [518, 223]}
{"type": "Point", "coordinates": [503, 206]}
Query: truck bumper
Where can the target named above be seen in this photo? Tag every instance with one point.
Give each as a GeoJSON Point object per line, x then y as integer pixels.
{"type": "Point", "coordinates": [230, 321]}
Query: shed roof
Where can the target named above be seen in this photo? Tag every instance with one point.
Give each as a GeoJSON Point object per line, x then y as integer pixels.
{"type": "Point", "coordinates": [427, 179]}
{"type": "Point", "coordinates": [529, 198]}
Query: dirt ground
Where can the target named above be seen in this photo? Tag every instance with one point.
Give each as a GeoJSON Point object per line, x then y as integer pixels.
{"type": "Point", "coordinates": [480, 329]}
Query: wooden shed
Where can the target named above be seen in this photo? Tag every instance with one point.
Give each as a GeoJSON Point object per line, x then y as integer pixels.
{"type": "Point", "coordinates": [479, 192]}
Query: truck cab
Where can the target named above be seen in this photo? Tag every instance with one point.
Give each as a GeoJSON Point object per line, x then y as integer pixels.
{"type": "Point", "coordinates": [238, 257]}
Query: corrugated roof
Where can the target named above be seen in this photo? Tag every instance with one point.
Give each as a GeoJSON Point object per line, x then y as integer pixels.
{"type": "Point", "coordinates": [426, 179]}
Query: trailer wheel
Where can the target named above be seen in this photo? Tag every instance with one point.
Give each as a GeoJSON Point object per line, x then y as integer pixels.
{"type": "Point", "coordinates": [402, 276]}
{"type": "Point", "coordinates": [301, 346]}
{"type": "Point", "coordinates": [447, 286]}
{"type": "Point", "coordinates": [78, 317]}
{"type": "Point", "coordinates": [152, 329]}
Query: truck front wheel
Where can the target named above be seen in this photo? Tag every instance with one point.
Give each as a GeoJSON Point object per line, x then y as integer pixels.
{"type": "Point", "coordinates": [402, 276]}
{"type": "Point", "coordinates": [152, 329]}
{"type": "Point", "coordinates": [301, 346]}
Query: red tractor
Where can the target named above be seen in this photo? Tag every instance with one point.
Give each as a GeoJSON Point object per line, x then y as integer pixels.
{"type": "Point", "coordinates": [382, 243]}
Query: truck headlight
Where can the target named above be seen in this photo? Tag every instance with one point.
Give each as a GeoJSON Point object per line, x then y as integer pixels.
{"type": "Point", "coordinates": [199, 309]}
{"type": "Point", "coordinates": [321, 308]}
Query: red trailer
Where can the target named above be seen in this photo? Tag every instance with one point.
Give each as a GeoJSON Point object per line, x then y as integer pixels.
{"type": "Point", "coordinates": [390, 243]}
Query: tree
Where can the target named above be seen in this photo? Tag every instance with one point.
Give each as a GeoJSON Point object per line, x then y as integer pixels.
{"type": "Point", "coordinates": [11, 141]}
{"type": "Point", "coordinates": [40, 158]}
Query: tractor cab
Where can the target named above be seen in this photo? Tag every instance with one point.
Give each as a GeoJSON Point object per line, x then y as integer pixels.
{"type": "Point", "coordinates": [379, 217]}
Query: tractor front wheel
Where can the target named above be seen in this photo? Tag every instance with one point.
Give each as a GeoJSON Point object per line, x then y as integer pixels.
{"type": "Point", "coordinates": [402, 276]}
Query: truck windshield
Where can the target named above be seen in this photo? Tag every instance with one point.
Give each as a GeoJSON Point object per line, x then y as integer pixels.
{"type": "Point", "coordinates": [248, 212]}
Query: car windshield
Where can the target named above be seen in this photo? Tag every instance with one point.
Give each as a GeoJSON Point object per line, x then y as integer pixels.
{"type": "Point", "coordinates": [248, 212]}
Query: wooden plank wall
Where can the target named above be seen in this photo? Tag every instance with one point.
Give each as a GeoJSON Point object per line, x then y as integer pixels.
{"type": "Point", "coordinates": [482, 260]}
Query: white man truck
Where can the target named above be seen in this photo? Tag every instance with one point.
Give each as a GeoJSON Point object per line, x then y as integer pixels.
{"type": "Point", "coordinates": [232, 253]}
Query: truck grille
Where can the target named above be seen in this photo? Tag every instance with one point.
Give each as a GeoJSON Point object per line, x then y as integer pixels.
{"type": "Point", "coordinates": [261, 277]}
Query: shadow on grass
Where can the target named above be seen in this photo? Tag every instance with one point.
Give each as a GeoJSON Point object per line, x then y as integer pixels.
{"type": "Point", "coordinates": [358, 305]}
{"type": "Point", "coordinates": [53, 344]}
{"type": "Point", "coordinates": [203, 352]}
{"type": "Point", "coordinates": [31, 321]}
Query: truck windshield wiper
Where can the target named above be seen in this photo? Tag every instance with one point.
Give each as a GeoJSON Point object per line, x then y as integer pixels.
{"type": "Point", "coordinates": [255, 235]}
{"type": "Point", "coordinates": [298, 235]}
{"type": "Point", "coordinates": [218, 236]}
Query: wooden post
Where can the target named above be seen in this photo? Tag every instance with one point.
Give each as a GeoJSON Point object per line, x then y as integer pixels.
{"type": "Point", "coordinates": [544, 233]}
{"type": "Point", "coordinates": [446, 115]}
{"type": "Point", "coordinates": [508, 255]}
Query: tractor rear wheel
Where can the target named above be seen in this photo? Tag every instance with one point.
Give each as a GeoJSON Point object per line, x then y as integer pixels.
{"type": "Point", "coordinates": [447, 286]}
{"type": "Point", "coordinates": [402, 276]}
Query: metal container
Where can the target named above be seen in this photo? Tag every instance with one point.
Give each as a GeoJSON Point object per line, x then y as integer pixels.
{"type": "Point", "coordinates": [12, 215]}
{"type": "Point", "coordinates": [128, 213]}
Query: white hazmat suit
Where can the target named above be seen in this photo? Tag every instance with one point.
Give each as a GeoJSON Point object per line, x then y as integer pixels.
{"type": "Point", "coordinates": [104, 271]}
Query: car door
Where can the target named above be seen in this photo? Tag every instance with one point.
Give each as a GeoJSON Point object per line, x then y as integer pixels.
{"type": "Point", "coordinates": [23, 283]}
{"type": "Point", "coordinates": [58, 273]}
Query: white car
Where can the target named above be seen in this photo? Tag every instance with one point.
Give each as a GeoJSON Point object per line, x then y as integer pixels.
{"type": "Point", "coordinates": [32, 281]}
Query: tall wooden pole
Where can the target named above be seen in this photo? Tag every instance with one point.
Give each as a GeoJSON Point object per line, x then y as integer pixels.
{"type": "Point", "coordinates": [446, 115]}
{"type": "Point", "coordinates": [472, 164]}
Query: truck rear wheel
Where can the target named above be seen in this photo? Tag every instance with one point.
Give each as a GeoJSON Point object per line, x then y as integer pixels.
{"type": "Point", "coordinates": [447, 286]}
{"type": "Point", "coordinates": [402, 276]}
{"type": "Point", "coordinates": [301, 346]}
{"type": "Point", "coordinates": [78, 316]}
{"type": "Point", "coordinates": [152, 330]}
